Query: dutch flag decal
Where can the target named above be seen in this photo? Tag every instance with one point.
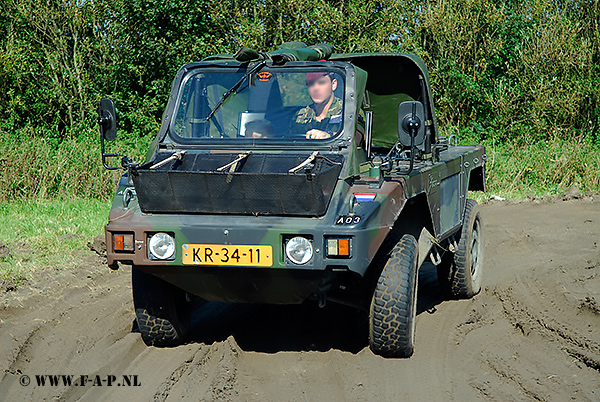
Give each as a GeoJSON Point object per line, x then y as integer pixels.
{"type": "Point", "coordinates": [361, 197]}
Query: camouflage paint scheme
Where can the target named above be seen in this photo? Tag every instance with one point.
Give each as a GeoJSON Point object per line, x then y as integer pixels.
{"type": "Point", "coordinates": [433, 195]}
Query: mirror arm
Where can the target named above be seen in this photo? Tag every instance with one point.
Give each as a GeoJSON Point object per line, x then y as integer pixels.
{"type": "Point", "coordinates": [413, 124]}
{"type": "Point", "coordinates": [412, 153]}
{"type": "Point", "coordinates": [105, 156]}
{"type": "Point", "coordinates": [103, 121]}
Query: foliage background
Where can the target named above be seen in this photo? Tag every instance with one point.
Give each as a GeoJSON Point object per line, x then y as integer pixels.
{"type": "Point", "coordinates": [520, 76]}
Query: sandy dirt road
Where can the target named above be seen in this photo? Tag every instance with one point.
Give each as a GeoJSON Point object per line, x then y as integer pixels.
{"type": "Point", "coordinates": [532, 334]}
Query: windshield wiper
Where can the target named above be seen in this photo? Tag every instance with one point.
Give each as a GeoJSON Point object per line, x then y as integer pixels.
{"type": "Point", "coordinates": [234, 88]}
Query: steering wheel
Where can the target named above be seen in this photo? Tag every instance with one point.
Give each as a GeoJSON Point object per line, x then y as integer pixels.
{"type": "Point", "coordinates": [295, 136]}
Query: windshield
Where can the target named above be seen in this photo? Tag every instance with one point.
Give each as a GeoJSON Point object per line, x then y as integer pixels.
{"type": "Point", "coordinates": [269, 104]}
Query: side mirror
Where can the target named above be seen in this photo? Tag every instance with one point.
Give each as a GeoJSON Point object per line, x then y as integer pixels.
{"type": "Point", "coordinates": [411, 130]}
{"type": "Point", "coordinates": [107, 120]}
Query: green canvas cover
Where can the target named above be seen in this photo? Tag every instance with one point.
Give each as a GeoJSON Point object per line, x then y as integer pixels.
{"type": "Point", "coordinates": [385, 123]}
{"type": "Point", "coordinates": [393, 78]}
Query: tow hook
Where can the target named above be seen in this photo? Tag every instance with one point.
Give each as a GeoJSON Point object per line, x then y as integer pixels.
{"type": "Point", "coordinates": [452, 246]}
{"type": "Point", "coordinates": [435, 258]}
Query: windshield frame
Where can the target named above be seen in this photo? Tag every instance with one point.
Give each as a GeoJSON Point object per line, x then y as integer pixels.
{"type": "Point", "coordinates": [292, 67]}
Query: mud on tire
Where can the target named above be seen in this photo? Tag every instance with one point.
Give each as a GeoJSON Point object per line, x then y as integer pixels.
{"type": "Point", "coordinates": [394, 303]}
{"type": "Point", "coordinates": [161, 310]}
{"type": "Point", "coordinates": [459, 273]}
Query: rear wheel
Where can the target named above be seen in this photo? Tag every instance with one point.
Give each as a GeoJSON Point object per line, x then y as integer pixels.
{"type": "Point", "coordinates": [459, 273]}
{"type": "Point", "coordinates": [394, 303]}
{"type": "Point", "coordinates": [161, 309]}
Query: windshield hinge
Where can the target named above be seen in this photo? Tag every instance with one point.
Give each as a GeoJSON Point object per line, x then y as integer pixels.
{"type": "Point", "coordinates": [342, 145]}
{"type": "Point", "coordinates": [233, 164]}
{"type": "Point", "coordinates": [306, 162]}
{"type": "Point", "coordinates": [176, 155]}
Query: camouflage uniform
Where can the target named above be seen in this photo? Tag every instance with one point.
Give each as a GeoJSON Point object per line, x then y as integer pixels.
{"type": "Point", "coordinates": [306, 119]}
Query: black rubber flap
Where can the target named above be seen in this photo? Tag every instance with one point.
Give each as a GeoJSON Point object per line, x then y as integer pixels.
{"type": "Point", "coordinates": [261, 185]}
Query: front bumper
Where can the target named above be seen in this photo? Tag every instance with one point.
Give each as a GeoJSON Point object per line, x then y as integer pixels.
{"type": "Point", "coordinates": [246, 285]}
{"type": "Point", "coordinates": [243, 230]}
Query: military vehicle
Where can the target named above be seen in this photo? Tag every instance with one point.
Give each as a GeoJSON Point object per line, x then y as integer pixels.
{"type": "Point", "coordinates": [295, 175]}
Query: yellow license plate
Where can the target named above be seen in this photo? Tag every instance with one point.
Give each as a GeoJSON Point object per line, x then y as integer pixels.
{"type": "Point", "coordinates": [231, 255]}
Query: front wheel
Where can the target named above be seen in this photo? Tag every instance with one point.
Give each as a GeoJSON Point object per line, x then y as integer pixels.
{"type": "Point", "coordinates": [394, 303]}
{"type": "Point", "coordinates": [459, 273]}
{"type": "Point", "coordinates": [161, 309]}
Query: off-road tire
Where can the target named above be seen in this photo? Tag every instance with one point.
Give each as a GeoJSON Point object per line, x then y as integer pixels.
{"type": "Point", "coordinates": [459, 273]}
{"type": "Point", "coordinates": [161, 309]}
{"type": "Point", "coordinates": [394, 303]}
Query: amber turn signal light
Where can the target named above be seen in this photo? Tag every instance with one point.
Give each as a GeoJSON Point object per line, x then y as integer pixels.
{"type": "Point", "coordinates": [344, 247]}
{"type": "Point", "coordinates": [122, 242]}
{"type": "Point", "coordinates": [338, 247]}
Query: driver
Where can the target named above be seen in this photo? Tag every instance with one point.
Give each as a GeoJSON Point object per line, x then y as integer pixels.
{"type": "Point", "coordinates": [323, 117]}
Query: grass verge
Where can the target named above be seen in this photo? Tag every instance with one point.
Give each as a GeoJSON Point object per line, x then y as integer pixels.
{"type": "Point", "coordinates": [45, 233]}
{"type": "Point", "coordinates": [543, 168]}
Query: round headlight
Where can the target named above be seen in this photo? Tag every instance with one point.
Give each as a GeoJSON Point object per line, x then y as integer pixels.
{"type": "Point", "coordinates": [299, 250]}
{"type": "Point", "coordinates": [161, 246]}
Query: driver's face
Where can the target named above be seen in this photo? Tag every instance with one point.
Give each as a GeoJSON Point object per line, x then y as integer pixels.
{"type": "Point", "coordinates": [321, 89]}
